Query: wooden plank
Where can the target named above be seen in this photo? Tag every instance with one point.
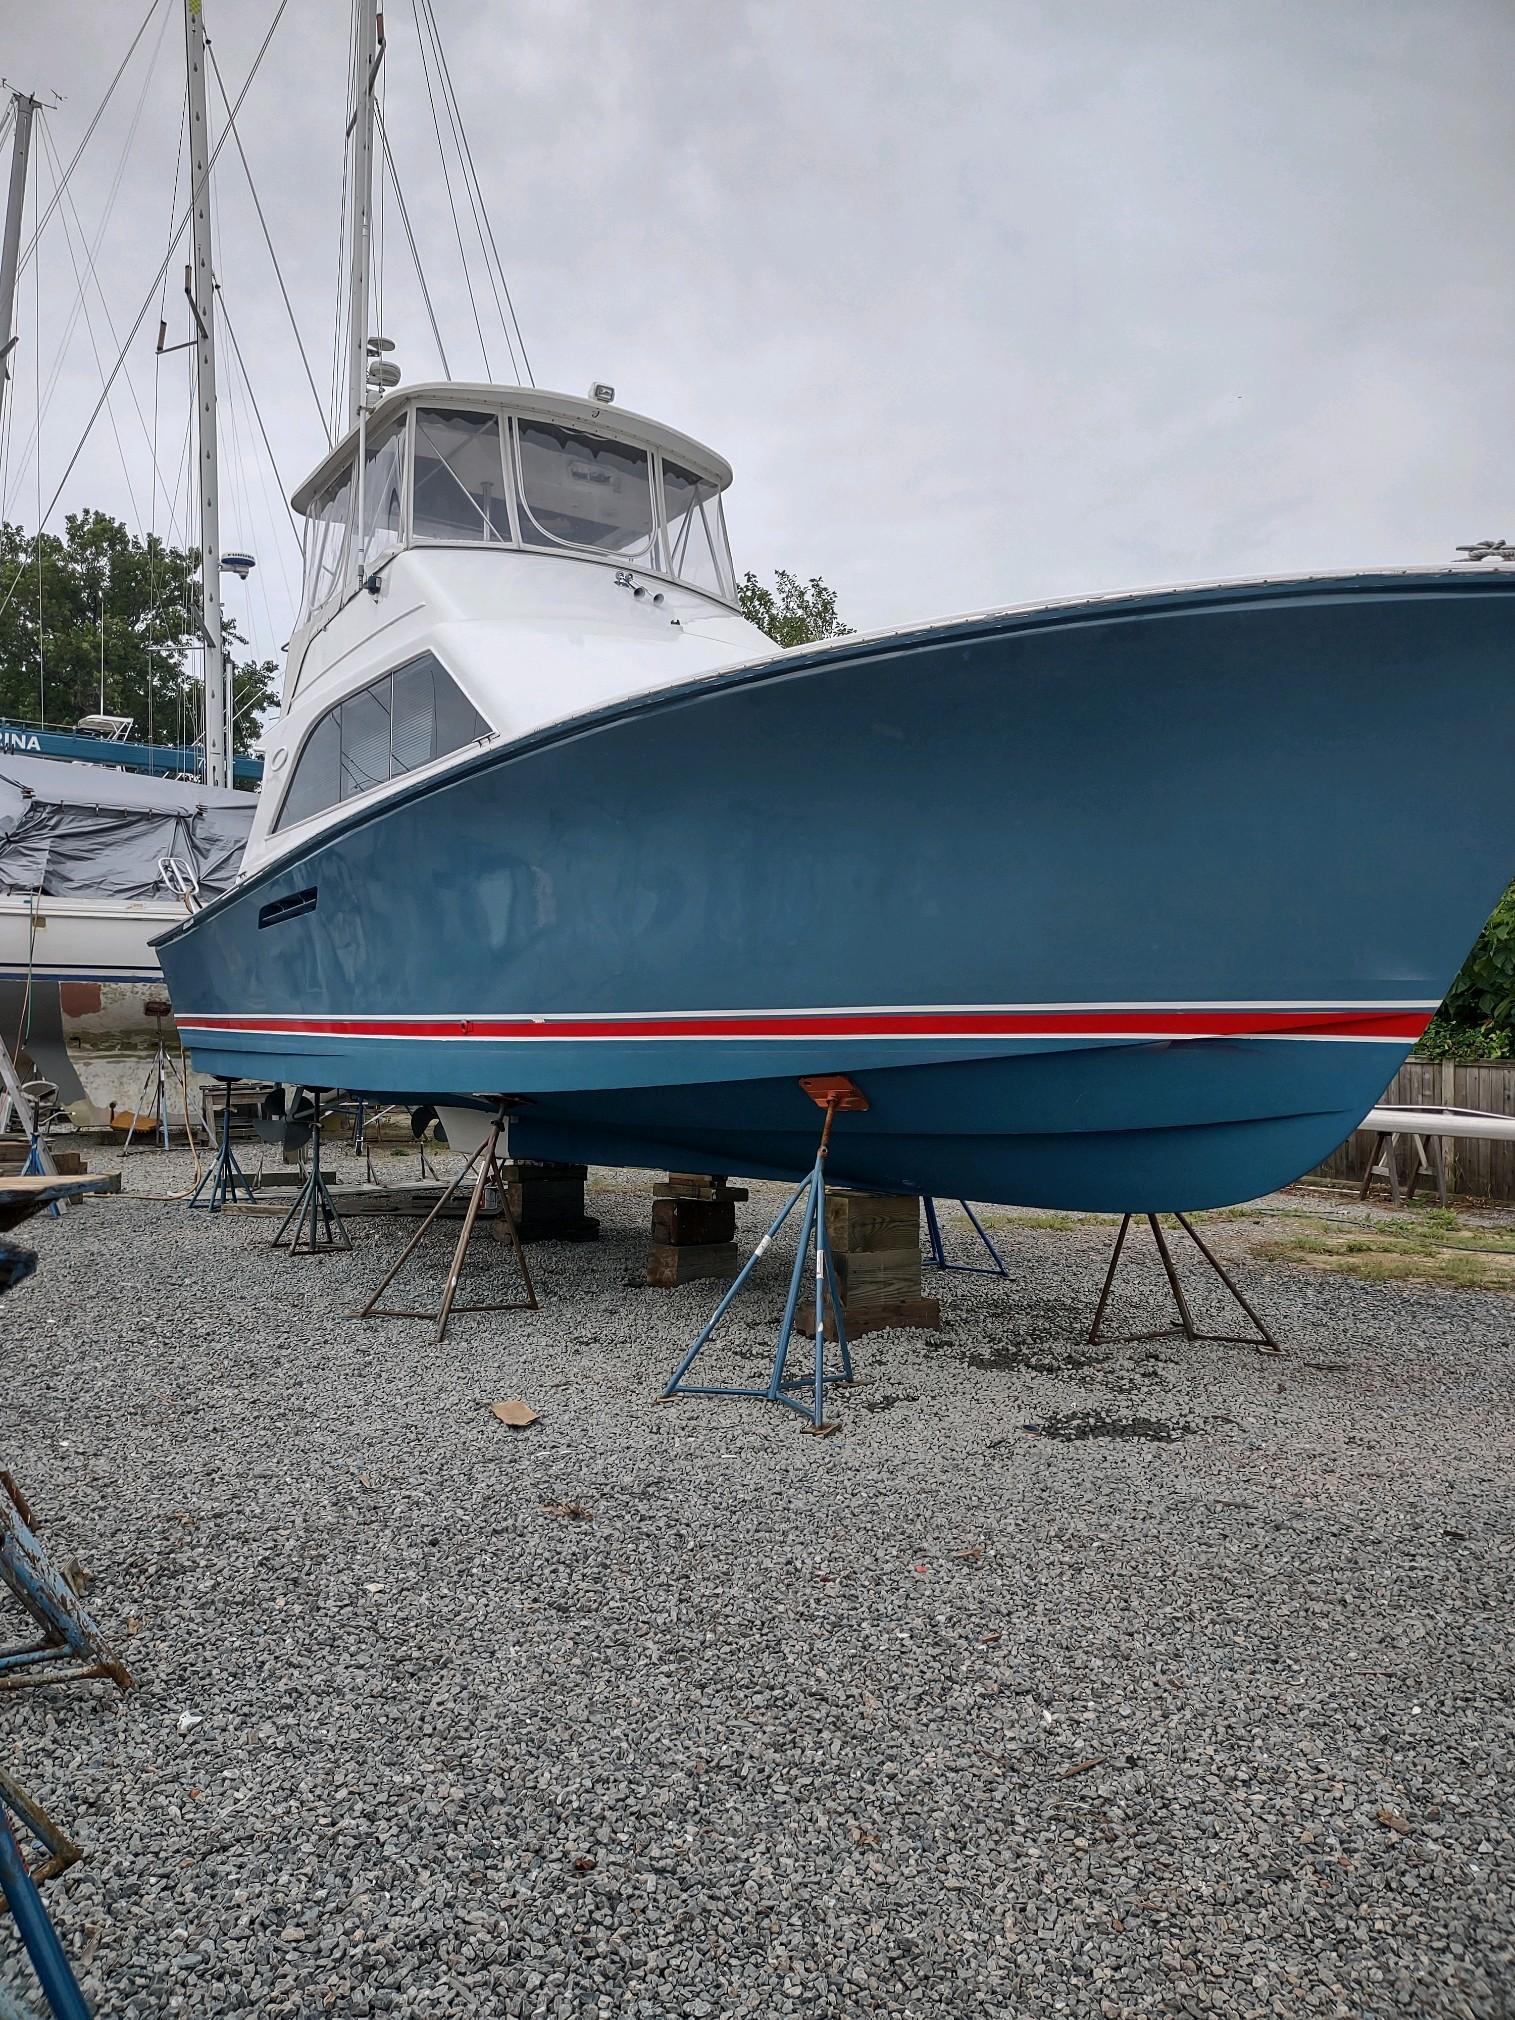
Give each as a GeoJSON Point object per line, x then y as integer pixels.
{"type": "Point", "coordinates": [920, 1314]}
{"type": "Point", "coordinates": [680, 1221]}
{"type": "Point", "coordinates": [859, 1221]}
{"type": "Point", "coordinates": [690, 1262]}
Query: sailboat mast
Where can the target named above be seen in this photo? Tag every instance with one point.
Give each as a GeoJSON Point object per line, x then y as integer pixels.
{"type": "Point", "coordinates": [369, 53]}
{"type": "Point", "coordinates": [10, 246]}
{"type": "Point", "coordinates": [218, 695]}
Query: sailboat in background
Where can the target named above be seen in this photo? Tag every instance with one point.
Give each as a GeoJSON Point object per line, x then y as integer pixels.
{"type": "Point", "coordinates": [95, 861]}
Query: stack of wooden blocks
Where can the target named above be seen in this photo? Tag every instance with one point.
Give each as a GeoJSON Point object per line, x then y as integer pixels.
{"type": "Point", "coordinates": [876, 1252]}
{"type": "Point", "coordinates": [693, 1229]}
{"type": "Point", "coordinates": [547, 1201]}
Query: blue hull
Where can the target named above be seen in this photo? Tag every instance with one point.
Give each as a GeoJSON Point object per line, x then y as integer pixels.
{"type": "Point", "coordinates": [1099, 905]}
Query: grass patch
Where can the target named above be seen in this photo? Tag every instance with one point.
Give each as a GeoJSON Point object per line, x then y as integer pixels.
{"type": "Point", "coordinates": [1400, 1255]}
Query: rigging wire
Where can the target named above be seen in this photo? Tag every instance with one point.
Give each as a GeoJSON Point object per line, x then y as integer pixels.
{"type": "Point", "coordinates": [450, 96]}
{"type": "Point", "coordinates": [410, 239]}
{"type": "Point", "coordinates": [457, 229]}
{"type": "Point", "coordinates": [83, 279]}
{"type": "Point", "coordinates": [99, 113]}
{"type": "Point", "coordinates": [257, 410]}
{"type": "Point", "coordinates": [60, 358]}
{"type": "Point", "coordinates": [157, 278]}
{"type": "Point", "coordinates": [92, 273]}
{"type": "Point", "coordinates": [268, 241]}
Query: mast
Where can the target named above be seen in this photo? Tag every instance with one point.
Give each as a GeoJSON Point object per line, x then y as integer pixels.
{"type": "Point", "coordinates": [368, 56]}
{"type": "Point", "coordinates": [10, 246]}
{"type": "Point", "coordinates": [201, 290]}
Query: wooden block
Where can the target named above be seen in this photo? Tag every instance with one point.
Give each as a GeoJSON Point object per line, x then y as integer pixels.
{"type": "Point", "coordinates": [680, 1222]}
{"type": "Point", "coordinates": [878, 1277]}
{"type": "Point", "coordinates": [697, 1185]}
{"type": "Point", "coordinates": [667, 1266]}
{"type": "Point", "coordinates": [859, 1221]}
{"type": "Point", "coordinates": [921, 1314]}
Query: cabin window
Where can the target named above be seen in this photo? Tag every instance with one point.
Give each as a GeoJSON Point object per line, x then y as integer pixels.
{"type": "Point", "coordinates": [328, 529]}
{"type": "Point", "coordinates": [383, 492]}
{"type": "Point", "coordinates": [582, 491]}
{"type": "Point", "coordinates": [392, 726]}
{"type": "Point", "coordinates": [460, 476]}
{"type": "Point", "coordinates": [695, 530]}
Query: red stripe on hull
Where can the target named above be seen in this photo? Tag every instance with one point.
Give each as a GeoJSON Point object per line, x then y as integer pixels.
{"type": "Point", "coordinates": [1400, 1025]}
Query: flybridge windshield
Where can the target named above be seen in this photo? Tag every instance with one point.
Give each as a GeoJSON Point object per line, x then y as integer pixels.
{"type": "Point", "coordinates": [475, 476]}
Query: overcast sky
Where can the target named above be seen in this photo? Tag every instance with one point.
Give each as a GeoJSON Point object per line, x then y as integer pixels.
{"type": "Point", "coordinates": [984, 300]}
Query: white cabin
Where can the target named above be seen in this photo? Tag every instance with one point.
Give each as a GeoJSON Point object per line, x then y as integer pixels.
{"type": "Point", "coordinates": [481, 561]}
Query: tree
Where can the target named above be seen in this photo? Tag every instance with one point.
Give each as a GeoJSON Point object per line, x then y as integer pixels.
{"type": "Point", "coordinates": [58, 596]}
{"type": "Point", "coordinates": [1477, 1021]}
{"type": "Point", "coordinates": [792, 612]}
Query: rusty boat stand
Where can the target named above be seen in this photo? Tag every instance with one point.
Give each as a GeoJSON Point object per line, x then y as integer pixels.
{"type": "Point", "coordinates": [488, 1173]}
{"type": "Point", "coordinates": [1262, 1339]}
{"type": "Point", "coordinates": [72, 1649]}
{"type": "Point", "coordinates": [19, 1887]}
{"type": "Point", "coordinates": [835, 1094]}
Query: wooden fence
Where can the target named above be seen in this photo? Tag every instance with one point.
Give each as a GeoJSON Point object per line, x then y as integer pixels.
{"type": "Point", "coordinates": [1483, 1170]}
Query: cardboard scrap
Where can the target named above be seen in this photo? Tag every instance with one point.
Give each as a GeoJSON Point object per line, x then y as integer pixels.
{"type": "Point", "coordinates": [570, 1511]}
{"type": "Point", "coordinates": [514, 1412]}
{"type": "Point", "coordinates": [1392, 1821]}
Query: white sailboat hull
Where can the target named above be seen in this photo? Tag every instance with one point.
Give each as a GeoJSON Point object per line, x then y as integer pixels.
{"type": "Point", "coordinates": [83, 939]}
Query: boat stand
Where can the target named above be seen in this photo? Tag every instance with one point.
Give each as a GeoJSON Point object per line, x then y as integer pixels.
{"type": "Point", "coordinates": [225, 1183]}
{"type": "Point", "coordinates": [19, 1887]}
{"type": "Point", "coordinates": [487, 1159]}
{"type": "Point", "coordinates": [1262, 1339]}
{"type": "Point", "coordinates": [313, 1226]}
{"type": "Point", "coordinates": [72, 1648]}
{"type": "Point", "coordinates": [807, 1393]}
{"type": "Point", "coordinates": [156, 1083]}
{"type": "Point", "coordinates": [936, 1253]}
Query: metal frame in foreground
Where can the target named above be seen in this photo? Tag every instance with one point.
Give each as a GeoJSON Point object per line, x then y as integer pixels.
{"type": "Point", "coordinates": [1262, 1339]}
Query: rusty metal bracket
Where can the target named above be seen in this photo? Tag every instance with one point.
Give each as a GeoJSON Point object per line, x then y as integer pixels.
{"type": "Point", "coordinates": [18, 1891]}
{"type": "Point", "coordinates": [72, 1648]}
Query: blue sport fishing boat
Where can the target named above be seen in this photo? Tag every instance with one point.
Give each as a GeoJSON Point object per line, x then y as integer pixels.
{"type": "Point", "coordinates": [1092, 899]}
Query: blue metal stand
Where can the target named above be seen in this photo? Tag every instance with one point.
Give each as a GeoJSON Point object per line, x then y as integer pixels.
{"type": "Point", "coordinates": [72, 1648]}
{"type": "Point", "coordinates": [936, 1254]}
{"type": "Point", "coordinates": [807, 1394]}
{"type": "Point", "coordinates": [225, 1181]}
{"type": "Point", "coordinates": [313, 1226]}
{"type": "Point", "coordinates": [18, 1883]}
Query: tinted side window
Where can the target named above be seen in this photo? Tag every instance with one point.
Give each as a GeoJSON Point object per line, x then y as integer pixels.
{"type": "Point", "coordinates": [315, 783]}
{"type": "Point", "coordinates": [415, 717]}
{"type": "Point", "coordinates": [458, 721]}
{"type": "Point", "coordinates": [365, 738]}
{"type": "Point", "coordinates": [392, 726]}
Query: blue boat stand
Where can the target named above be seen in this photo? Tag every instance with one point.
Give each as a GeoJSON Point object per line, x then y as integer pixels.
{"type": "Point", "coordinates": [1262, 1339]}
{"type": "Point", "coordinates": [226, 1181]}
{"type": "Point", "coordinates": [18, 1884]}
{"type": "Point", "coordinates": [313, 1226]}
{"type": "Point", "coordinates": [72, 1648]}
{"type": "Point", "coordinates": [806, 1394]}
{"type": "Point", "coordinates": [936, 1253]}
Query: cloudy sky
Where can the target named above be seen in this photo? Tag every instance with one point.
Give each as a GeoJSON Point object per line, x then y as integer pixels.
{"type": "Point", "coordinates": [984, 300]}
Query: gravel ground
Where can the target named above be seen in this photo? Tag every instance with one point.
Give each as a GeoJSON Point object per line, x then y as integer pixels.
{"type": "Point", "coordinates": [1205, 1711]}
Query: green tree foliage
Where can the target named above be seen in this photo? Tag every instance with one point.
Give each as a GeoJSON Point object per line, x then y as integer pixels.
{"type": "Point", "coordinates": [1477, 1021]}
{"type": "Point", "coordinates": [792, 612]}
{"type": "Point", "coordinates": [148, 595]}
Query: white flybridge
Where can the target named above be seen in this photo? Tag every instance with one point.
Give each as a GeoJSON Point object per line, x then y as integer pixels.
{"type": "Point", "coordinates": [481, 561]}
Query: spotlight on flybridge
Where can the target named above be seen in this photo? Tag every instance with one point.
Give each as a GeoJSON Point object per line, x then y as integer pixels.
{"type": "Point", "coordinates": [602, 394]}
{"type": "Point", "coordinates": [240, 565]}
